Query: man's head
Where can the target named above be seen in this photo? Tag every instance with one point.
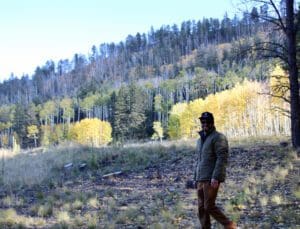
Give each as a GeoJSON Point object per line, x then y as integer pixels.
{"type": "Point", "coordinates": [207, 121]}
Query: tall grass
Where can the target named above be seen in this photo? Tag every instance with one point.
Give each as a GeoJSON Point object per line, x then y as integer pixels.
{"type": "Point", "coordinates": [40, 165]}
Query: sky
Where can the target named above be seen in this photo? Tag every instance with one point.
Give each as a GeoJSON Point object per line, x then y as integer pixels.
{"type": "Point", "coordinates": [34, 31]}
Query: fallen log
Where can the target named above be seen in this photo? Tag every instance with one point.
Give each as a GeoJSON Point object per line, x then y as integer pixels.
{"type": "Point", "coordinates": [112, 174]}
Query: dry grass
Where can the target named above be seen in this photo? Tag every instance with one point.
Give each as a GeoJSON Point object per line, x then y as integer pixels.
{"type": "Point", "coordinates": [259, 140]}
{"type": "Point", "coordinates": [261, 186]}
{"type": "Point", "coordinates": [38, 166]}
{"type": "Point", "coordinates": [29, 168]}
{"type": "Point", "coordinates": [33, 167]}
{"type": "Point", "coordinates": [10, 219]}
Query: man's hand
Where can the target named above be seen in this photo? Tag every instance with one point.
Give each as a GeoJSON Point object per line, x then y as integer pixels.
{"type": "Point", "coordinates": [214, 183]}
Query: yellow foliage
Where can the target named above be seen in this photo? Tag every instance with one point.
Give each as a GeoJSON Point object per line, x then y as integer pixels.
{"type": "Point", "coordinates": [52, 135]}
{"type": "Point", "coordinates": [4, 139]}
{"type": "Point", "coordinates": [279, 85]}
{"type": "Point", "coordinates": [189, 120]}
{"type": "Point", "coordinates": [240, 111]}
{"type": "Point", "coordinates": [32, 131]}
{"type": "Point", "coordinates": [174, 128]}
{"type": "Point", "coordinates": [5, 125]}
{"type": "Point", "coordinates": [178, 108]}
{"type": "Point", "coordinates": [158, 131]}
{"type": "Point", "coordinates": [91, 132]}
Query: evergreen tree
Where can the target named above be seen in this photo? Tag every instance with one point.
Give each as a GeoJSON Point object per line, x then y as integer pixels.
{"type": "Point", "coordinates": [121, 113]}
{"type": "Point", "coordinates": [21, 121]}
{"type": "Point", "coordinates": [129, 114]}
{"type": "Point", "coordinates": [137, 114]}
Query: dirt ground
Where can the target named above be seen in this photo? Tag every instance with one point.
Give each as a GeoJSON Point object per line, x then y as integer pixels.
{"type": "Point", "coordinates": [262, 190]}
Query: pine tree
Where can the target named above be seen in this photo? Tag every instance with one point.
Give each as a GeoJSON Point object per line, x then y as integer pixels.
{"type": "Point", "coordinates": [137, 114]}
{"type": "Point", "coordinates": [121, 114]}
{"type": "Point", "coordinates": [129, 114]}
{"type": "Point", "coordinates": [20, 122]}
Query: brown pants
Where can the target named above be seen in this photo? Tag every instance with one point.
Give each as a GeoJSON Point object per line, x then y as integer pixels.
{"type": "Point", "coordinates": [206, 205]}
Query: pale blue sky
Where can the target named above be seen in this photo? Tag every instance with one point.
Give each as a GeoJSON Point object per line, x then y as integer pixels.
{"type": "Point", "coordinates": [34, 31]}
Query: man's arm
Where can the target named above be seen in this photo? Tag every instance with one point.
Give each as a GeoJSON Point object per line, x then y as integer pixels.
{"type": "Point", "coordinates": [221, 150]}
{"type": "Point", "coordinates": [197, 159]}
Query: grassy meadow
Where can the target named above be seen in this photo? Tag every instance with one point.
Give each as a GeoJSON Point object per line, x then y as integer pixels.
{"type": "Point", "coordinates": [42, 189]}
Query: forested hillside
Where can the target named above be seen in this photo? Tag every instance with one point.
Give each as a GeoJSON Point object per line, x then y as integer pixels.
{"type": "Point", "coordinates": [131, 86]}
{"type": "Point", "coordinates": [161, 53]}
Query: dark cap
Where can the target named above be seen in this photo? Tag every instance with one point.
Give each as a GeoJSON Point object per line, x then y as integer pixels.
{"type": "Point", "coordinates": [207, 116]}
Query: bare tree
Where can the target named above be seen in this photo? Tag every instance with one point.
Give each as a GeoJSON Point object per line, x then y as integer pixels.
{"type": "Point", "coordinates": [280, 15]}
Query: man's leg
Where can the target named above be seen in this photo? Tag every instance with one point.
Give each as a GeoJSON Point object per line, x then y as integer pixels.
{"type": "Point", "coordinates": [202, 214]}
{"type": "Point", "coordinates": [210, 195]}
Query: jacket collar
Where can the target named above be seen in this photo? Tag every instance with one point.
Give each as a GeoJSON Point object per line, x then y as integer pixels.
{"type": "Point", "coordinates": [204, 135]}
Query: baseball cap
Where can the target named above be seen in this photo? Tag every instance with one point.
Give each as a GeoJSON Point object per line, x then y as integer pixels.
{"type": "Point", "coordinates": [207, 116]}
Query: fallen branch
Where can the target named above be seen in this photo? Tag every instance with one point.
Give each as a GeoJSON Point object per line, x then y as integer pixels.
{"type": "Point", "coordinates": [112, 174]}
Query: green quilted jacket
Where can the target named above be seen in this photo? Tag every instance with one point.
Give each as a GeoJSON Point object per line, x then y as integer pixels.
{"type": "Point", "coordinates": [212, 152]}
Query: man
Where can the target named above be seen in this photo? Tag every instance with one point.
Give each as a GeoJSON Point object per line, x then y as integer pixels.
{"type": "Point", "coordinates": [212, 151]}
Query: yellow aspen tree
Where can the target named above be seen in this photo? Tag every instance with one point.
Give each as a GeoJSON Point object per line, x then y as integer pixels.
{"type": "Point", "coordinates": [32, 132]}
{"type": "Point", "coordinates": [158, 131]}
{"type": "Point", "coordinates": [189, 120]}
{"type": "Point", "coordinates": [91, 132]}
{"type": "Point", "coordinates": [186, 123]}
{"type": "Point", "coordinates": [174, 126]}
{"type": "Point", "coordinates": [280, 97]}
{"type": "Point", "coordinates": [241, 111]}
{"type": "Point", "coordinates": [279, 85]}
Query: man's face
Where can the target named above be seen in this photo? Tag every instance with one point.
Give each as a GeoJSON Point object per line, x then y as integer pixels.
{"type": "Point", "coordinates": [206, 125]}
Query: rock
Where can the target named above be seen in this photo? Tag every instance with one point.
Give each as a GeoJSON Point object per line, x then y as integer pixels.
{"type": "Point", "coordinates": [172, 189]}
{"type": "Point", "coordinates": [68, 166]}
{"type": "Point", "coordinates": [284, 144]}
{"type": "Point", "coordinates": [158, 174]}
{"type": "Point", "coordinates": [82, 166]}
{"type": "Point", "coordinates": [177, 179]}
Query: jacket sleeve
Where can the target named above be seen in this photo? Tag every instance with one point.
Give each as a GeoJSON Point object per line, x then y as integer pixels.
{"type": "Point", "coordinates": [221, 150]}
{"type": "Point", "coordinates": [197, 160]}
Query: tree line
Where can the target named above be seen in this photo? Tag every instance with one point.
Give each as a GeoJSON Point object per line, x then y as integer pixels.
{"type": "Point", "coordinates": [131, 109]}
